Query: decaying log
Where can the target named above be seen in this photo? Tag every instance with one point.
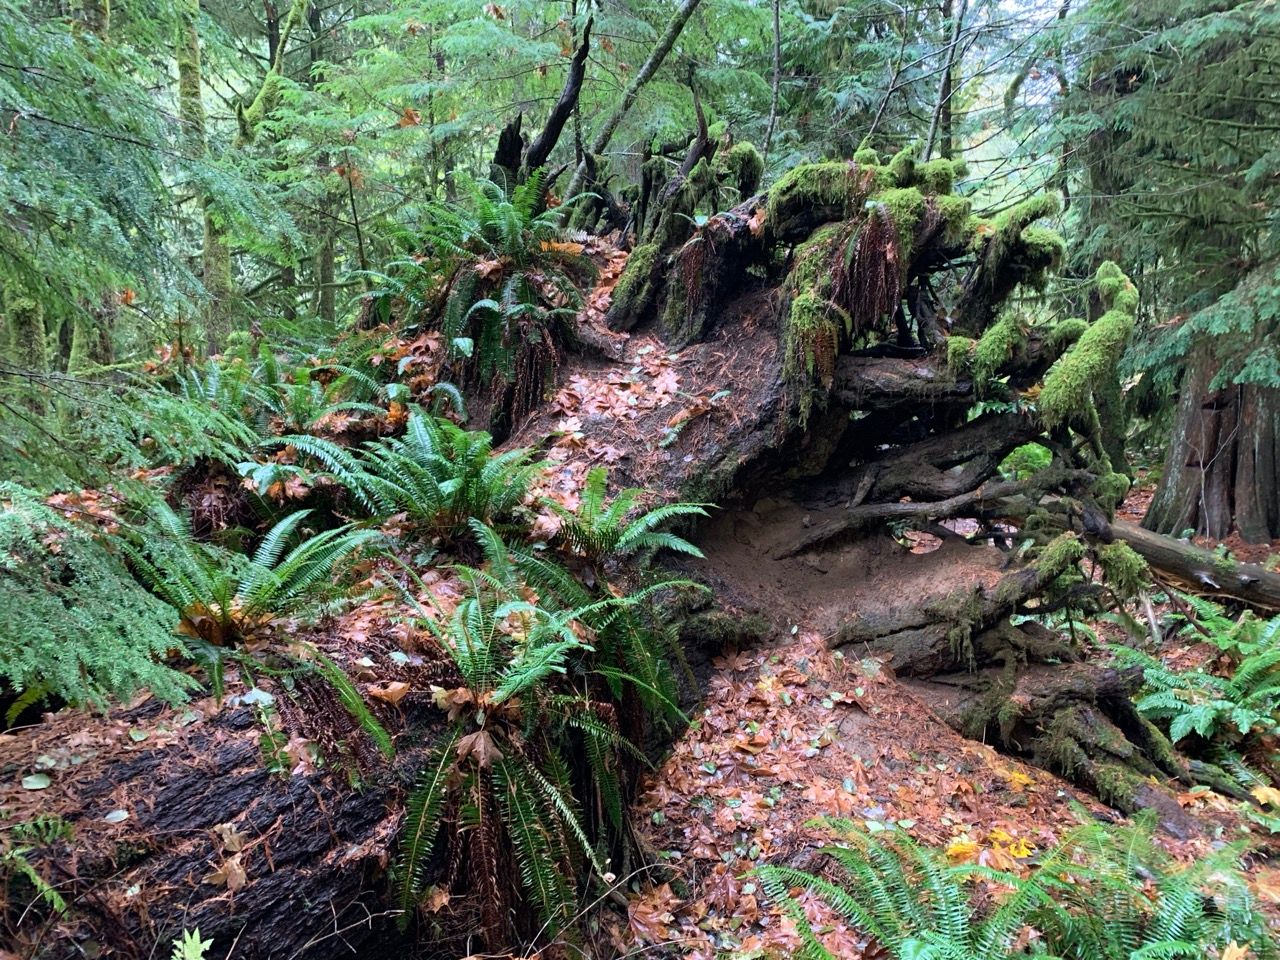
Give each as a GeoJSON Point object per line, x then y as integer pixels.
{"type": "Point", "coordinates": [178, 824]}
{"type": "Point", "coordinates": [1077, 720]}
{"type": "Point", "coordinates": [1194, 568]}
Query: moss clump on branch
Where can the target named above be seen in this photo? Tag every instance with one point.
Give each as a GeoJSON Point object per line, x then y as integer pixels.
{"type": "Point", "coordinates": [939, 176]}
{"type": "Point", "coordinates": [1123, 570]}
{"type": "Point", "coordinates": [959, 223]}
{"type": "Point", "coordinates": [960, 355]}
{"type": "Point", "coordinates": [740, 167]}
{"type": "Point", "coordinates": [1059, 555]}
{"type": "Point", "coordinates": [905, 207]}
{"type": "Point", "coordinates": [827, 184]}
{"type": "Point", "coordinates": [1066, 332]}
{"type": "Point", "coordinates": [997, 345]}
{"type": "Point", "coordinates": [1071, 383]}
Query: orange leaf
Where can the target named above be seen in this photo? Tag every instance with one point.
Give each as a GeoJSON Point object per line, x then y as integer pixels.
{"type": "Point", "coordinates": [410, 117]}
{"type": "Point", "coordinates": [391, 693]}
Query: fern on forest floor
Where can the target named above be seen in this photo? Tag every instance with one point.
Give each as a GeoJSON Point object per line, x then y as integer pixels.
{"type": "Point", "coordinates": [1225, 713]}
{"type": "Point", "coordinates": [1105, 893]}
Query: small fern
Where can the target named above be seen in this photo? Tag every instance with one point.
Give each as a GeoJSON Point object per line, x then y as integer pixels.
{"type": "Point", "coordinates": [601, 528]}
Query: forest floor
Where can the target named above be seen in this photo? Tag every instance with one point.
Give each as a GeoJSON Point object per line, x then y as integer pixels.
{"type": "Point", "coordinates": [792, 731]}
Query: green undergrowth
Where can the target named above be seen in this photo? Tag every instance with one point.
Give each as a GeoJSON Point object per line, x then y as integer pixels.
{"type": "Point", "coordinates": [1104, 893]}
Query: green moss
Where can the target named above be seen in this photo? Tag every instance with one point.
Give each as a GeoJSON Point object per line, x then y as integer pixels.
{"type": "Point", "coordinates": [997, 345]}
{"type": "Point", "coordinates": [903, 167]}
{"type": "Point", "coordinates": [810, 343]}
{"type": "Point", "coordinates": [866, 157]}
{"type": "Point", "coordinates": [1066, 332]}
{"type": "Point", "coordinates": [817, 184]}
{"type": "Point", "coordinates": [1071, 383]}
{"type": "Point", "coordinates": [960, 355]}
{"type": "Point", "coordinates": [812, 271]}
{"type": "Point", "coordinates": [636, 275]}
{"type": "Point", "coordinates": [741, 167]}
{"type": "Point", "coordinates": [1111, 489]}
{"type": "Point", "coordinates": [905, 206]}
{"type": "Point", "coordinates": [1123, 569]}
{"type": "Point", "coordinates": [1022, 215]}
{"type": "Point", "coordinates": [937, 176]}
{"type": "Point", "coordinates": [1058, 555]}
{"type": "Point", "coordinates": [957, 217]}
{"type": "Point", "coordinates": [1042, 250]}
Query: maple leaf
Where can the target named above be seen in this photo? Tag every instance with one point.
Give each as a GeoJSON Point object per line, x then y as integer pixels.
{"type": "Point", "coordinates": [409, 118]}
{"type": "Point", "coordinates": [1234, 951]}
{"type": "Point", "coordinates": [495, 11]}
{"type": "Point", "coordinates": [651, 914]}
{"type": "Point", "coordinates": [1268, 795]}
{"type": "Point", "coordinates": [756, 222]}
{"type": "Point", "coordinates": [480, 745]}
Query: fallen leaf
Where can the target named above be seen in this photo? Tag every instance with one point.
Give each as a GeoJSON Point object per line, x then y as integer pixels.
{"type": "Point", "coordinates": [230, 875]}
{"type": "Point", "coordinates": [391, 693]}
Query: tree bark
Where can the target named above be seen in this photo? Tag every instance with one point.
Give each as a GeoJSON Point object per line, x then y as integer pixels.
{"type": "Point", "coordinates": [1223, 466]}
{"type": "Point", "coordinates": [215, 253]}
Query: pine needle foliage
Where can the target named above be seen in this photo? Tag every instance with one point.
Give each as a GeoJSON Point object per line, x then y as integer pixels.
{"type": "Point", "coordinates": [600, 528]}
{"type": "Point", "coordinates": [1104, 893]}
{"type": "Point", "coordinates": [77, 625]}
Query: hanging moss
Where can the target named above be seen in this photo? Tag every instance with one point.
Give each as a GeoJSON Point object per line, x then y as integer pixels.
{"type": "Point", "coordinates": [1123, 569]}
{"type": "Point", "coordinates": [741, 167]}
{"type": "Point", "coordinates": [960, 355]}
{"type": "Point", "coordinates": [1070, 384]}
{"type": "Point", "coordinates": [810, 343]}
{"type": "Point", "coordinates": [1059, 555]}
{"type": "Point", "coordinates": [812, 268]}
{"type": "Point", "coordinates": [997, 345]}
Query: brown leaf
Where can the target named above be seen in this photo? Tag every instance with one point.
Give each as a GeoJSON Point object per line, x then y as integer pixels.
{"type": "Point", "coordinates": [230, 875]}
{"type": "Point", "coordinates": [481, 745]}
{"type": "Point", "coordinates": [232, 839]}
{"type": "Point", "coordinates": [391, 693]}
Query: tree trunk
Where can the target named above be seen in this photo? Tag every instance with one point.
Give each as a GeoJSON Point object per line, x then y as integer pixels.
{"type": "Point", "coordinates": [215, 254]}
{"type": "Point", "coordinates": [1223, 465]}
{"type": "Point", "coordinates": [656, 57]}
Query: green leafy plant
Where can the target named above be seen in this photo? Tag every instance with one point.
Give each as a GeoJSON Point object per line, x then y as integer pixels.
{"type": "Point", "coordinates": [225, 598]}
{"type": "Point", "coordinates": [1105, 893]}
{"type": "Point", "coordinates": [442, 476]}
{"type": "Point", "coordinates": [601, 527]}
{"type": "Point", "coordinates": [501, 783]}
{"type": "Point", "coordinates": [190, 946]}
{"type": "Point", "coordinates": [1226, 711]}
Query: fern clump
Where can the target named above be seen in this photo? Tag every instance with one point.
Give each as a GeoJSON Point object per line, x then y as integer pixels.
{"type": "Point", "coordinates": [1226, 713]}
{"type": "Point", "coordinates": [601, 528]}
{"type": "Point", "coordinates": [224, 598]}
{"type": "Point", "coordinates": [77, 625]}
{"type": "Point", "coordinates": [1105, 893]}
{"type": "Point", "coordinates": [442, 476]}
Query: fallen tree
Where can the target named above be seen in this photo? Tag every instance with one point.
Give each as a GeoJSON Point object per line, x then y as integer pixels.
{"type": "Point", "coordinates": [837, 330]}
